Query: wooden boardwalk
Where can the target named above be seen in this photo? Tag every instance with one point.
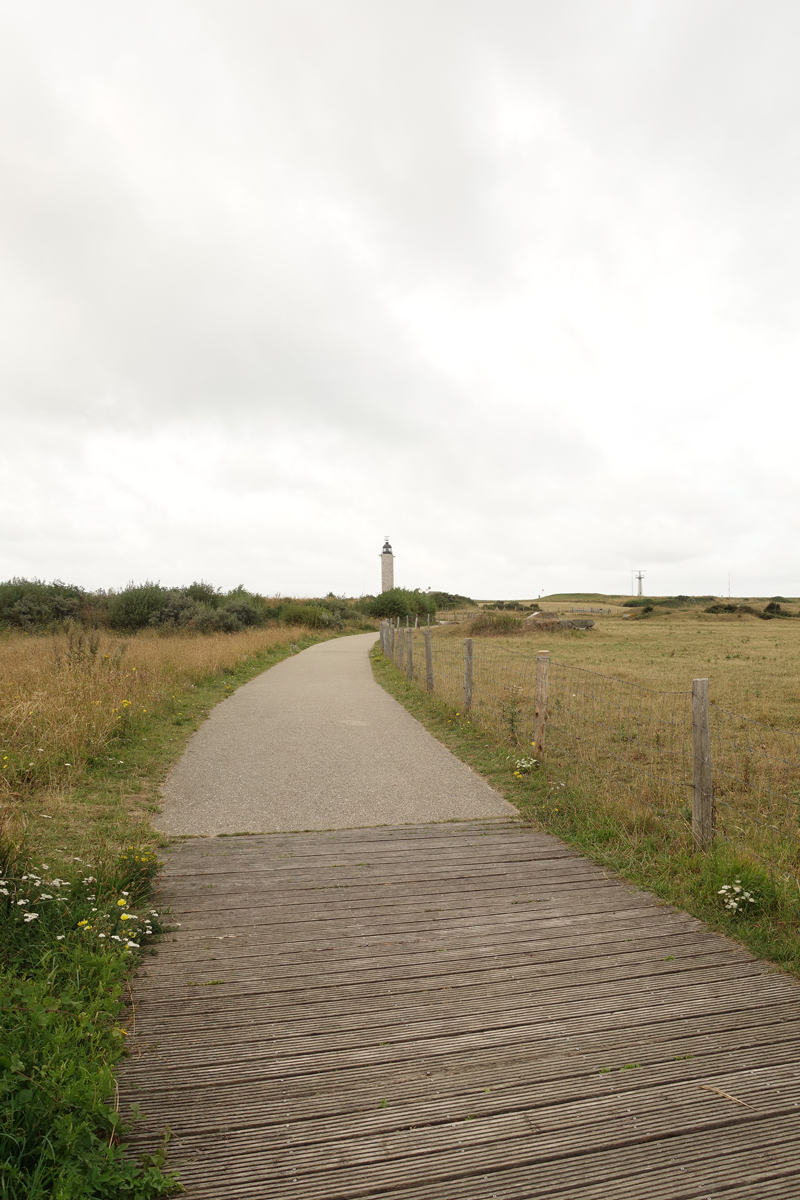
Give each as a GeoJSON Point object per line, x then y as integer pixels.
{"type": "Point", "coordinates": [455, 1012]}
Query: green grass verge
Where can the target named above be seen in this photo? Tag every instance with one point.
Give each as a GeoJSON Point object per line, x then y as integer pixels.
{"type": "Point", "coordinates": [641, 850]}
{"type": "Point", "coordinates": [68, 942]}
{"type": "Point", "coordinates": [74, 919]}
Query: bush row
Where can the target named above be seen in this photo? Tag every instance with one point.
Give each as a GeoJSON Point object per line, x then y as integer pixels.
{"type": "Point", "coordinates": [666, 601]}
{"type": "Point", "coordinates": [773, 609]}
{"type": "Point", "coordinates": [512, 605]}
{"type": "Point", "coordinates": [32, 605]}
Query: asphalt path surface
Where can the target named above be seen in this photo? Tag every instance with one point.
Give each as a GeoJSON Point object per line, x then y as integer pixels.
{"type": "Point", "coordinates": [316, 743]}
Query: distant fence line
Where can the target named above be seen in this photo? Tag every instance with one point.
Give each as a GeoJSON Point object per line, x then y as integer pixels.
{"type": "Point", "coordinates": [677, 755]}
{"type": "Point", "coordinates": [457, 616]}
{"type": "Point", "coordinates": [460, 616]}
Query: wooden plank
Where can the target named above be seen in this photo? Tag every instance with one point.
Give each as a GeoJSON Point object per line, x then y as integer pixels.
{"type": "Point", "coordinates": [334, 1016]}
{"type": "Point", "coordinates": [531, 1149]}
{"type": "Point", "coordinates": [488, 1092]}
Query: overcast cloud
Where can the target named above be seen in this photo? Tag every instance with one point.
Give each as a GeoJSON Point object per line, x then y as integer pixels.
{"type": "Point", "coordinates": [514, 282]}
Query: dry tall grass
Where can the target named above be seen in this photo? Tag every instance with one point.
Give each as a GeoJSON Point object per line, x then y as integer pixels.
{"type": "Point", "coordinates": [64, 699]}
{"type": "Point", "coordinates": [753, 665]}
{"type": "Point", "coordinates": [619, 721]}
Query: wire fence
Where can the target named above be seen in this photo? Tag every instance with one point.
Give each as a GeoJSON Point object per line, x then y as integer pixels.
{"type": "Point", "coordinates": [645, 749]}
{"type": "Point", "coordinates": [456, 616]}
{"type": "Point", "coordinates": [635, 739]}
{"type": "Point", "coordinates": [756, 774]}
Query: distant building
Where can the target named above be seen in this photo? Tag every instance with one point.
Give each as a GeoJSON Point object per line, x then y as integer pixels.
{"type": "Point", "coordinates": [387, 567]}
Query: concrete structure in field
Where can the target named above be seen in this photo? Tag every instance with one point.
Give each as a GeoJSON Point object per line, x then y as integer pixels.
{"type": "Point", "coordinates": [387, 567]}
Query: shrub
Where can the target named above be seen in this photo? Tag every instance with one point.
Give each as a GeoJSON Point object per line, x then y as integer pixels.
{"type": "Point", "coordinates": [204, 593]}
{"type": "Point", "coordinates": [312, 615]}
{"type": "Point", "coordinates": [400, 602]}
{"type": "Point", "coordinates": [496, 624]}
{"type": "Point", "coordinates": [740, 610]}
{"type": "Point", "coordinates": [340, 609]}
{"type": "Point", "coordinates": [30, 603]}
{"type": "Point", "coordinates": [200, 608]}
{"type": "Point", "coordinates": [450, 599]}
{"type": "Point", "coordinates": [242, 610]}
{"type": "Point", "coordinates": [178, 609]}
{"type": "Point", "coordinates": [231, 617]}
{"type": "Point", "coordinates": [774, 609]}
{"type": "Point", "coordinates": [133, 607]}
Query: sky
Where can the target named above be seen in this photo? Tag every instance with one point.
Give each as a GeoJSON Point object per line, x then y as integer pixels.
{"type": "Point", "coordinates": [514, 283]}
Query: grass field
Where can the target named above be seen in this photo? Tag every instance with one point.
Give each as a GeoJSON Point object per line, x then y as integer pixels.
{"type": "Point", "coordinates": [619, 712]}
{"type": "Point", "coordinates": [753, 665]}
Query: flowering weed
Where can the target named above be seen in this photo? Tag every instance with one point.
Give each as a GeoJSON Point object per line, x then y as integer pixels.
{"type": "Point", "coordinates": [735, 898]}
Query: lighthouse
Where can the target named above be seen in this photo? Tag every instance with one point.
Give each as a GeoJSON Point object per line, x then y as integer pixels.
{"type": "Point", "coordinates": [387, 566]}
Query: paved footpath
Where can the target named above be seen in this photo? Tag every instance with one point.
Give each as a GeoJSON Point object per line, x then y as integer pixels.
{"type": "Point", "coordinates": [315, 743]}
{"type": "Point", "coordinates": [434, 1009]}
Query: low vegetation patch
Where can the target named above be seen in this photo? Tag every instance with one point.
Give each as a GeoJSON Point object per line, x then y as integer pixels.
{"type": "Point", "coordinates": [451, 600]}
{"type": "Point", "coordinates": [667, 601]}
{"type": "Point", "coordinates": [496, 624]}
{"type": "Point", "coordinates": [637, 845]}
{"type": "Point", "coordinates": [509, 606]}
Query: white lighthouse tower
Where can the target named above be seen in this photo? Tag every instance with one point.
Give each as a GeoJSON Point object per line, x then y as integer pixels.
{"type": "Point", "coordinates": [387, 566]}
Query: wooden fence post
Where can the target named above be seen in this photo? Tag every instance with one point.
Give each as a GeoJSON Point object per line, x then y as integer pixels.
{"type": "Point", "coordinates": [540, 702]}
{"type": "Point", "coordinates": [428, 660]}
{"type": "Point", "coordinates": [410, 653]}
{"type": "Point", "coordinates": [467, 674]}
{"type": "Point", "coordinates": [390, 635]}
{"type": "Point", "coordinates": [401, 641]}
{"type": "Point", "coordinates": [702, 783]}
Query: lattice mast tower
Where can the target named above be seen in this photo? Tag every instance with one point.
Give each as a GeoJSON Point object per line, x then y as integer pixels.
{"type": "Point", "coordinates": [387, 567]}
